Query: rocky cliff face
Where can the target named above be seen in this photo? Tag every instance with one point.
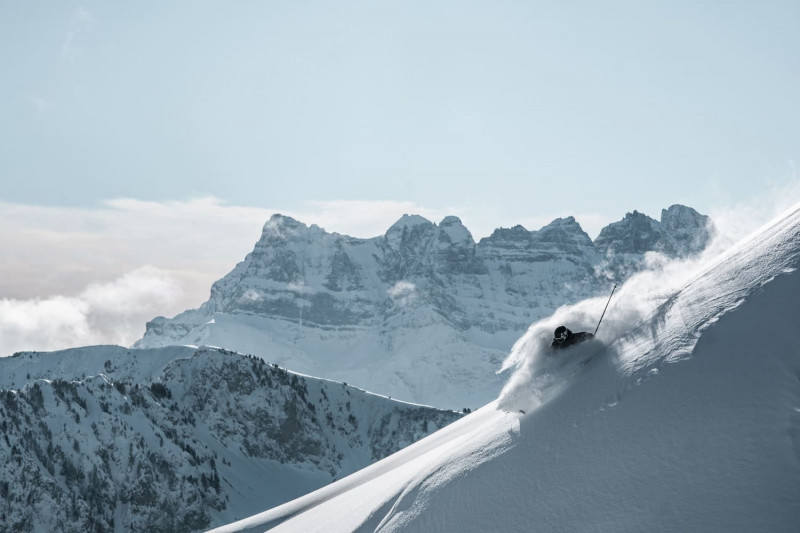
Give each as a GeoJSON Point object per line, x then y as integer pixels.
{"type": "Point", "coordinates": [178, 439]}
{"type": "Point", "coordinates": [423, 312]}
{"type": "Point", "coordinates": [623, 245]}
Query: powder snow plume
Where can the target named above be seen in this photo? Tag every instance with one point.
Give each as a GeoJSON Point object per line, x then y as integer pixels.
{"type": "Point", "coordinates": [540, 375]}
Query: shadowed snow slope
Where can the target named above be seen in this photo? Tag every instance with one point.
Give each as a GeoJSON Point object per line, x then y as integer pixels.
{"type": "Point", "coordinates": [690, 421]}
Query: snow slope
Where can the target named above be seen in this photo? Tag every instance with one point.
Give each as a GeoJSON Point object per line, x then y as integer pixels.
{"type": "Point", "coordinates": [685, 418]}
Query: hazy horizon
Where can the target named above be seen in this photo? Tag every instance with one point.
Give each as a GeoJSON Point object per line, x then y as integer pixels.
{"type": "Point", "coordinates": [151, 141]}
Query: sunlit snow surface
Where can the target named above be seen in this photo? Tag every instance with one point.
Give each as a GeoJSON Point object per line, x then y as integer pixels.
{"type": "Point", "coordinates": [684, 415]}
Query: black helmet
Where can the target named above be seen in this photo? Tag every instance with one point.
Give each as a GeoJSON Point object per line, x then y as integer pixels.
{"type": "Point", "coordinates": [561, 333]}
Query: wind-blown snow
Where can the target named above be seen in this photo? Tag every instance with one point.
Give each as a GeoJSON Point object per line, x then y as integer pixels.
{"type": "Point", "coordinates": [650, 300]}
{"type": "Point", "coordinates": [683, 416]}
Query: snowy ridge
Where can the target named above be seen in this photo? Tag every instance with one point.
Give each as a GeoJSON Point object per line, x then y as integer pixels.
{"type": "Point", "coordinates": [422, 313]}
{"type": "Point", "coordinates": [179, 438]}
{"type": "Point", "coordinates": [685, 418]}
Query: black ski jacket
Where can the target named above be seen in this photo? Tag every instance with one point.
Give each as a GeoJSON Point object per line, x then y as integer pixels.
{"type": "Point", "coordinates": [571, 340]}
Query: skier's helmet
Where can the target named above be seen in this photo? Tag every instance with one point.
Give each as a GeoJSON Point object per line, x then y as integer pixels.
{"type": "Point", "coordinates": [561, 333]}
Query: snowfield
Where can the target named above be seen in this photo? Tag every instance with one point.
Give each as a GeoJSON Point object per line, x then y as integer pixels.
{"type": "Point", "coordinates": [683, 416]}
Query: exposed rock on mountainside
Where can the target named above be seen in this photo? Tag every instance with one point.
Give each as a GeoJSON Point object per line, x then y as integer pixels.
{"type": "Point", "coordinates": [174, 439]}
{"type": "Point", "coordinates": [681, 232]}
{"type": "Point", "coordinates": [423, 313]}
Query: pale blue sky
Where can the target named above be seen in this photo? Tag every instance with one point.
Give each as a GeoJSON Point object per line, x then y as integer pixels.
{"type": "Point", "coordinates": [509, 108]}
{"type": "Point", "coordinates": [143, 144]}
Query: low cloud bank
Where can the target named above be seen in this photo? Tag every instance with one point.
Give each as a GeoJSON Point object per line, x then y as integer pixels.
{"type": "Point", "coordinates": [103, 313]}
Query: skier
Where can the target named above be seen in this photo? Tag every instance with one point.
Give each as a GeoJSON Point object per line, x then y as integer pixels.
{"type": "Point", "coordinates": [563, 338]}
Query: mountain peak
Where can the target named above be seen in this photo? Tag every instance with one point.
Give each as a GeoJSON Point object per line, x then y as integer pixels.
{"type": "Point", "coordinates": [451, 220]}
{"type": "Point", "coordinates": [517, 234]}
{"type": "Point", "coordinates": [409, 221]}
{"type": "Point", "coordinates": [679, 210]}
{"type": "Point", "coordinates": [635, 215]}
{"type": "Point", "coordinates": [568, 224]}
{"type": "Point", "coordinates": [281, 225]}
{"type": "Point", "coordinates": [678, 214]}
{"type": "Point", "coordinates": [408, 232]}
{"type": "Point", "coordinates": [564, 234]}
{"type": "Point", "coordinates": [452, 230]}
{"type": "Point", "coordinates": [637, 233]}
{"type": "Point", "coordinates": [690, 230]}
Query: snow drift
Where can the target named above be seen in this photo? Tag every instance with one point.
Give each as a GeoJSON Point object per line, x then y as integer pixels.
{"type": "Point", "coordinates": [684, 416]}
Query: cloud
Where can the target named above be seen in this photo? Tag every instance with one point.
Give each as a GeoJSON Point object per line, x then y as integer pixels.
{"type": "Point", "coordinates": [299, 288]}
{"type": "Point", "coordinates": [103, 313]}
{"type": "Point", "coordinates": [403, 292]}
{"type": "Point", "coordinates": [251, 296]}
{"type": "Point", "coordinates": [737, 220]}
{"type": "Point", "coordinates": [81, 21]}
{"type": "Point", "coordinates": [401, 289]}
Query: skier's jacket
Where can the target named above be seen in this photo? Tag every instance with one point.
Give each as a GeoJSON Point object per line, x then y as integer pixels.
{"type": "Point", "coordinates": [564, 338]}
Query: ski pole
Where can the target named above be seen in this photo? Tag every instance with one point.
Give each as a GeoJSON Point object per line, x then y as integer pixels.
{"type": "Point", "coordinates": [604, 310]}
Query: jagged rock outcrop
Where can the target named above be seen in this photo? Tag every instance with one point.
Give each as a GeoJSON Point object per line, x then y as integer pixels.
{"type": "Point", "coordinates": [624, 244]}
{"type": "Point", "coordinates": [422, 312]}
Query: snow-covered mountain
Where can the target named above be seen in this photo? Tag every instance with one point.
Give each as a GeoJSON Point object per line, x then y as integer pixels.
{"type": "Point", "coordinates": [685, 417]}
{"type": "Point", "coordinates": [422, 313]}
{"type": "Point", "coordinates": [106, 438]}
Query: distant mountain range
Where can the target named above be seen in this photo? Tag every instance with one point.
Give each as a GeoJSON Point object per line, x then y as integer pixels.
{"type": "Point", "coordinates": [423, 312]}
